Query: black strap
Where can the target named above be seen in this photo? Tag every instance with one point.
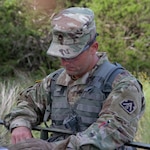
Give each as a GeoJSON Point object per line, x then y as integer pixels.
{"type": "Point", "coordinates": [105, 75]}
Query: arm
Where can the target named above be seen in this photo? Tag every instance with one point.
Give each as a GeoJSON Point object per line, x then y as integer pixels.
{"type": "Point", "coordinates": [117, 122]}
{"type": "Point", "coordinates": [28, 111]}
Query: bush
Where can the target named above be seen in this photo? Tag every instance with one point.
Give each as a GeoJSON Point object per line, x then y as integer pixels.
{"type": "Point", "coordinates": [24, 39]}
{"type": "Point", "coordinates": [123, 28]}
{"type": "Point", "coordinates": [124, 31]}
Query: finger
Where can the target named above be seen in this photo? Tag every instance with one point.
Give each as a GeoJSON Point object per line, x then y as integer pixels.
{"type": "Point", "coordinates": [16, 140]}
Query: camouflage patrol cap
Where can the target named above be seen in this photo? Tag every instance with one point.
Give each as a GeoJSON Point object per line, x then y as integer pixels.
{"type": "Point", "coordinates": [72, 30]}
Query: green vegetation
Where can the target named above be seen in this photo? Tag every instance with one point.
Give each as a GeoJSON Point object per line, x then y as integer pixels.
{"type": "Point", "coordinates": [24, 39]}
{"type": "Point", "coordinates": [143, 134]}
{"type": "Point", "coordinates": [25, 34]}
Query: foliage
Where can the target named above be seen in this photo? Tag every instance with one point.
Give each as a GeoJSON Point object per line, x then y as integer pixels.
{"type": "Point", "coordinates": [24, 38]}
{"type": "Point", "coordinates": [25, 34]}
{"type": "Point", "coordinates": [124, 30]}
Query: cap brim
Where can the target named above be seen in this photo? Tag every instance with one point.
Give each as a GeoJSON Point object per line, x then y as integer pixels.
{"type": "Point", "coordinates": [64, 51]}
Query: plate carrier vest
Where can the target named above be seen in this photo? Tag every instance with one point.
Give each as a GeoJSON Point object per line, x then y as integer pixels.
{"type": "Point", "coordinates": [86, 109]}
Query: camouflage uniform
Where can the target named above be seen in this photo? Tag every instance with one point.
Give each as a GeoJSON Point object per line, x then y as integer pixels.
{"type": "Point", "coordinates": [118, 118]}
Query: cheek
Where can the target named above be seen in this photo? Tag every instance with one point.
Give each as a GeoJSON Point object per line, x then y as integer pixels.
{"type": "Point", "coordinates": [84, 63]}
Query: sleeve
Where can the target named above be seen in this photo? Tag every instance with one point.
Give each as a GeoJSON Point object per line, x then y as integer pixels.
{"type": "Point", "coordinates": [30, 106]}
{"type": "Point", "coordinates": [118, 119]}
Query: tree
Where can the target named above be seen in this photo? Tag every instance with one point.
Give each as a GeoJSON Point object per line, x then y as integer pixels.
{"type": "Point", "coordinates": [24, 38]}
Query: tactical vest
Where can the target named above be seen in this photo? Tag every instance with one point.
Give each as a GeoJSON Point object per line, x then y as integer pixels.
{"type": "Point", "coordinates": [86, 109]}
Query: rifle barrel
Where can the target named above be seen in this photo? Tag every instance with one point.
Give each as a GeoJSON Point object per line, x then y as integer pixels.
{"type": "Point", "coordinates": [138, 145]}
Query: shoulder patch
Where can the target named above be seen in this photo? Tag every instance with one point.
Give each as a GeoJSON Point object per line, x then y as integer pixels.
{"type": "Point", "coordinates": [128, 105]}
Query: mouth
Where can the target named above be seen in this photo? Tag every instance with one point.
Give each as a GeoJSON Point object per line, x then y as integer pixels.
{"type": "Point", "coordinates": [70, 69]}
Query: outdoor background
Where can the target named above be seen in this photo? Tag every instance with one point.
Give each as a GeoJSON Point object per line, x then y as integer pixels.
{"type": "Point", "coordinates": [25, 35]}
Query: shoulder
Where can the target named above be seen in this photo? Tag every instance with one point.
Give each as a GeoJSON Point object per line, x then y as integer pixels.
{"type": "Point", "coordinates": [52, 75]}
{"type": "Point", "coordinates": [125, 80]}
{"type": "Point", "coordinates": [45, 82]}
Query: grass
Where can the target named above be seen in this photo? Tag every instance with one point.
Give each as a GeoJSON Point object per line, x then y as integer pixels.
{"type": "Point", "coordinates": [143, 134]}
{"type": "Point", "coordinates": [10, 89]}
{"type": "Point", "coordinates": [8, 93]}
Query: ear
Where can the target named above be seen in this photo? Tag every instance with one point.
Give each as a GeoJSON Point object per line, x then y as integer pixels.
{"type": "Point", "coordinates": [94, 47]}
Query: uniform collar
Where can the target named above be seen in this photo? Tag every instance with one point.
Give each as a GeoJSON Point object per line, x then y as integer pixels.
{"type": "Point", "coordinates": [64, 79]}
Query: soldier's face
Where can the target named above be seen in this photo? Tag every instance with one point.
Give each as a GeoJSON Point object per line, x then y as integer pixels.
{"type": "Point", "coordinates": [81, 64]}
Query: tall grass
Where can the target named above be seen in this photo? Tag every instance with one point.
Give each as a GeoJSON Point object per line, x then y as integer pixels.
{"type": "Point", "coordinates": [9, 91]}
{"type": "Point", "coordinates": [143, 133]}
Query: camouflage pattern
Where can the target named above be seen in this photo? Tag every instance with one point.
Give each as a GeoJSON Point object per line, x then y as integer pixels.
{"type": "Point", "coordinates": [72, 30]}
{"type": "Point", "coordinates": [117, 122]}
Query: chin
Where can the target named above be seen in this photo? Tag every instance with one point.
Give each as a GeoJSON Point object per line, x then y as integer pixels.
{"type": "Point", "coordinates": [71, 73]}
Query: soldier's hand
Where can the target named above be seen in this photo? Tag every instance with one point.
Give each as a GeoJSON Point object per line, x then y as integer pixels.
{"type": "Point", "coordinates": [20, 134]}
{"type": "Point", "coordinates": [33, 144]}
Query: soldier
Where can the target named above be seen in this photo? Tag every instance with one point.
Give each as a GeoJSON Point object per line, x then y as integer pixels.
{"type": "Point", "coordinates": [99, 102]}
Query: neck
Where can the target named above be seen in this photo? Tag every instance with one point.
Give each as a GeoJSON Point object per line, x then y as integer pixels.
{"type": "Point", "coordinates": [95, 60]}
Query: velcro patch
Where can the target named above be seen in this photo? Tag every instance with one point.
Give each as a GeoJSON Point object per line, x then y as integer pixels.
{"type": "Point", "coordinates": [128, 105]}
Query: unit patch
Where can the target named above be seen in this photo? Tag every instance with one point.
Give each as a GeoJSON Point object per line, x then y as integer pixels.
{"type": "Point", "coordinates": [128, 106]}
